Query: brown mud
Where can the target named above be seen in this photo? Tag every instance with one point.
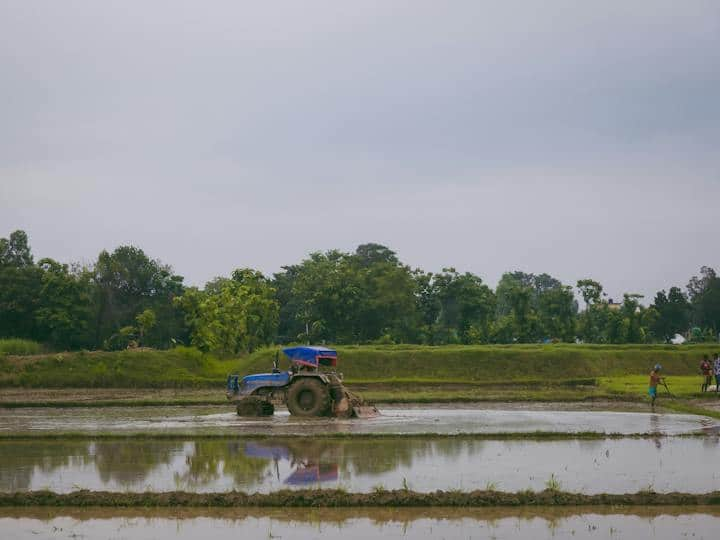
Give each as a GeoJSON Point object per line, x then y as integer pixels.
{"type": "Point", "coordinates": [479, 436]}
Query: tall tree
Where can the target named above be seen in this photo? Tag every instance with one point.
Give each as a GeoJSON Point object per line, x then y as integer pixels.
{"type": "Point", "coordinates": [15, 250]}
{"type": "Point", "coordinates": [231, 316]}
{"type": "Point", "coordinates": [590, 290]}
{"type": "Point", "coordinates": [387, 304]}
{"type": "Point", "coordinates": [704, 293]}
{"type": "Point", "coordinates": [64, 311]}
{"type": "Point", "coordinates": [592, 323]}
{"type": "Point", "coordinates": [262, 308]}
{"type": "Point", "coordinates": [532, 307]}
{"type": "Point", "coordinates": [20, 284]}
{"type": "Point", "coordinates": [348, 298]}
{"type": "Point", "coordinates": [673, 314]}
{"type": "Point", "coordinates": [466, 308]}
{"type": "Point", "coordinates": [129, 282]}
{"type": "Point", "coordinates": [557, 310]}
{"type": "Point", "coordinates": [517, 320]}
{"type": "Point", "coordinates": [369, 254]}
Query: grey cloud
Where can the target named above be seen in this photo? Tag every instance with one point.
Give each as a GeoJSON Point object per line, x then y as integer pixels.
{"type": "Point", "coordinates": [575, 138]}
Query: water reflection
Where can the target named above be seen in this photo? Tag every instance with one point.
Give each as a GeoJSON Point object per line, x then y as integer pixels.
{"type": "Point", "coordinates": [212, 464]}
{"type": "Point", "coordinates": [310, 469]}
{"type": "Point", "coordinates": [396, 523]}
{"type": "Point", "coordinates": [360, 464]}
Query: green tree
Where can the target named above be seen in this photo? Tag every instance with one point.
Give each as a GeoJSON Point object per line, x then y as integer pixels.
{"type": "Point", "coordinates": [64, 312]}
{"type": "Point", "coordinates": [129, 282]}
{"type": "Point", "coordinates": [386, 305]}
{"type": "Point", "coordinates": [231, 316]}
{"type": "Point", "coordinates": [348, 298]}
{"type": "Point", "coordinates": [15, 250]}
{"type": "Point", "coordinates": [704, 293]}
{"type": "Point", "coordinates": [673, 314]}
{"type": "Point", "coordinates": [328, 294]}
{"type": "Point", "coordinates": [146, 321]}
{"type": "Point", "coordinates": [532, 307]}
{"type": "Point", "coordinates": [20, 284]}
{"type": "Point", "coordinates": [592, 324]}
{"type": "Point", "coordinates": [465, 308]}
{"type": "Point", "coordinates": [369, 254]}
{"type": "Point", "coordinates": [517, 316]}
{"type": "Point", "coordinates": [591, 291]}
{"type": "Point", "coordinates": [557, 311]}
{"type": "Point", "coordinates": [262, 307]}
{"type": "Point", "coordinates": [632, 313]}
{"type": "Point", "coordinates": [291, 318]}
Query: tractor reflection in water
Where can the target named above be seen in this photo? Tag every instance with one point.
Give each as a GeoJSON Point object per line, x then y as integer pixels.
{"type": "Point", "coordinates": [310, 388]}
{"type": "Point", "coordinates": [310, 468]}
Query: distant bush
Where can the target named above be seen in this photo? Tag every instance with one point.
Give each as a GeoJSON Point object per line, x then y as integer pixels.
{"type": "Point", "coordinates": [21, 347]}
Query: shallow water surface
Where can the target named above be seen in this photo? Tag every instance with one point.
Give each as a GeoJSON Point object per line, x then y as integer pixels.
{"type": "Point", "coordinates": [394, 420]}
{"type": "Point", "coordinates": [361, 464]}
{"type": "Point", "coordinates": [309, 524]}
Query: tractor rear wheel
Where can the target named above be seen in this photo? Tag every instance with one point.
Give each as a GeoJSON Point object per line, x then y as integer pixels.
{"type": "Point", "coordinates": [254, 406]}
{"type": "Point", "coordinates": [308, 397]}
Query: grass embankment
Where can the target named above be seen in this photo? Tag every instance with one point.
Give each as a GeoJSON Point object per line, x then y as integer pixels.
{"type": "Point", "coordinates": [19, 346]}
{"type": "Point", "coordinates": [503, 363]}
{"type": "Point", "coordinates": [538, 436]}
{"type": "Point", "coordinates": [319, 498]}
{"type": "Point", "coordinates": [181, 367]}
{"type": "Point", "coordinates": [390, 374]}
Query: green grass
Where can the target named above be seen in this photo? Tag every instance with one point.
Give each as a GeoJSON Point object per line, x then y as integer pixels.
{"type": "Point", "coordinates": [337, 498]}
{"type": "Point", "coordinates": [540, 370]}
{"type": "Point", "coordinates": [679, 385]}
{"type": "Point", "coordinates": [20, 347]}
{"type": "Point", "coordinates": [177, 368]}
{"type": "Point", "coordinates": [498, 363]}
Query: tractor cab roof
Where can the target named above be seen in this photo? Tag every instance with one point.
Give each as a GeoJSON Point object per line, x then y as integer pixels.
{"type": "Point", "coordinates": [312, 356]}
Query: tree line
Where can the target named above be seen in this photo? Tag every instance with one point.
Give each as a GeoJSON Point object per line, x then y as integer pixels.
{"type": "Point", "coordinates": [126, 298]}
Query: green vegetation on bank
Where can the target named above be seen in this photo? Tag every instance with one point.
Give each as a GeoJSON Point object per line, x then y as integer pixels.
{"type": "Point", "coordinates": [180, 367]}
{"type": "Point", "coordinates": [534, 366]}
{"type": "Point", "coordinates": [334, 436]}
{"type": "Point", "coordinates": [19, 347]}
{"type": "Point", "coordinates": [316, 498]}
{"type": "Point", "coordinates": [551, 364]}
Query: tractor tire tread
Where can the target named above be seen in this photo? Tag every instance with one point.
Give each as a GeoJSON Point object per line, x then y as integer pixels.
{"type": "Point", "coordinates": [321, 404]}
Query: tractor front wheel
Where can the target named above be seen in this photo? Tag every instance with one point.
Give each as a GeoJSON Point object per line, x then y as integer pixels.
{"type": "Point", "coordinates": [308, 397]}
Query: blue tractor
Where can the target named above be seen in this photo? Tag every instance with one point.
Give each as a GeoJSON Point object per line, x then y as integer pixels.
{"type": "Point", "coordinates": [310, 388]}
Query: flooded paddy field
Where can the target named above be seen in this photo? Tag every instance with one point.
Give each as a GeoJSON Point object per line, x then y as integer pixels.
{"type": "Point", "coordinates": [393, 420]}
{"type": "Point", "coordinates": [537, 523]}
{"type": "Point", "coordinates": [361, 464]}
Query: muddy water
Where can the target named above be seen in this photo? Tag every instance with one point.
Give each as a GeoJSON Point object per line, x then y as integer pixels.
{"type": "Point", "coordinates": [541, 524]}
{"type": "Point", "coordinates": [362, 464]}
{"type": "Point", "coordinates": [395, 420]}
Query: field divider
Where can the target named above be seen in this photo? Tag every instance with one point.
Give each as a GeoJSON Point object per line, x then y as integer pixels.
{"type": "Point", "coordinates": [526, 435]}
{"type": "Point", "coordinates": [326, 498]}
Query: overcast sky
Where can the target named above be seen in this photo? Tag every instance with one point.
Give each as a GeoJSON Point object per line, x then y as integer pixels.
{"type": "Point", "coordinates": [580, 139]}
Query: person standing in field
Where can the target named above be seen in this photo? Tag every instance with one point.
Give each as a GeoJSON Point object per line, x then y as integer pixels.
{"type": "Point", "coordinates": [655, 379]}
{"type": "Point", "coordinates": [717, 372]}
{"type": "Point", "coordinates": [707, 372]}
